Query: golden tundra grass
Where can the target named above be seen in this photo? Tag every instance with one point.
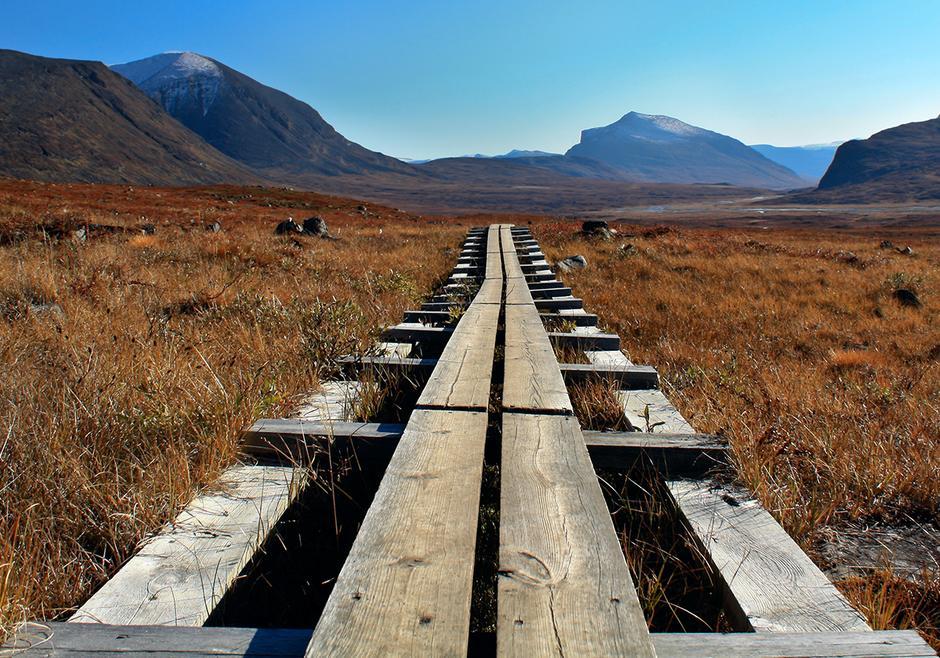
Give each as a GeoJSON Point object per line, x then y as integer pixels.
{"type": "Point", "coordinates": [827, 388]}
{"type": "Point", "coordinates": [131, 362]}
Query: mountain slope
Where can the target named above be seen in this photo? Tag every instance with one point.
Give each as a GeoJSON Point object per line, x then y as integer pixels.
{"type": "Point", "coordinates": [661, 149]}
{"type": "Point", "coordinates": [70, 120]}
{"type": "Point", "coordinates": [261, 127]}
{"type": "Point", "coordinates": [901, 162]}
{"type": "Point", "coordinates": [809, 162]}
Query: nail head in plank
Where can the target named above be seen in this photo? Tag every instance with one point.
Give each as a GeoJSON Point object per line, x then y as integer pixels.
{"type": "Point", "coordinates": [405, 586]}
{"type": "Point", "coordinates": [563, 587]}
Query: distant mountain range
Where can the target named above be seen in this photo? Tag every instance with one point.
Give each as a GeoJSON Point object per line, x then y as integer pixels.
{"type": "Point", "coordinates": [658, 149]}
{"type": "Point", "coordinates": [267, 130]}
{"type": "Point", "coordinates": [66, 120]}
{"type": "Point", "coordinates": [183, 118]}
{"type": "Point", "coordinates": [809, 162]}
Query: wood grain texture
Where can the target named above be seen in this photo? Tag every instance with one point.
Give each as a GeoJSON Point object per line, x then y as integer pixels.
{"type": "Point", "coordinates": [564, 587]}
{"type": "Point", "coordinates": [663, 417]}
{"type": "Point", "coordinates": [462, 375]}
{"type": "Point", "coordinates": [531, 380]}
{"type": "Point", "coordinates": [773, 585]}
{"type": "Point", "coordinates": [177, 577]}
{"type": "Point", "coordinates": [405, 586]}
{"type": "Point", "coordinates": [34, 640]}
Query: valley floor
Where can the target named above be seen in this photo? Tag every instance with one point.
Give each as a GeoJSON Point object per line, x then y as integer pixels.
{"type": "Point", "coordinates": [134, 357]}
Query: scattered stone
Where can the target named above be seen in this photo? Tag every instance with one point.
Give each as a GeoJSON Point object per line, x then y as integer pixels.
{"type": "Point", "coordinates": [847, 257]}
{"type": "Point", "coordinates": [287, 227]}
{"type": "Point", "coordinates": [886, 244]}
{"type": "Point", "coordinates": [214, 227]}
{"type": "Point", "coordinates": [47, 309]}
{"type": "Point", "coordinates": [315, 225]}
{"type": "Point", "coordinates": [596, 228]}
{"type": "Point", "coordinates": [907, 297]}
{"type": "Point", "coordinates": [148, 229]}
{"type": "Point", "coordinates": [362, 209]}
{"type": "Point", "coordinates": [571, 263]}
{"type": "Point", "coordinates": [907, 251]}
{"type": "Point", "coordinates": [80, 235]}
{"type": "Point", "coordinates": [627, 250]}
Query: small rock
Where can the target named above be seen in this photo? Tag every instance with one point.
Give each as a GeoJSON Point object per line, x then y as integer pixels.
{"type": "Point", "coordinates": [627, 250]}
{"type": "Point", "coordinates": [214, 227]}
{"type": "Point", "coordinates": [287, 227]}
{"type": "Point", "coordinates": [596, 228]}
{"type": "Point", "coordinates": [362, 209]}
{"type": "Point", "coordinates": [47, 309]}
{"type": "Point", "coordinates": [847, 257]}
{"type": "Point", "coordinates": [571, 263]}
{"type": "Point", "coordinates": [907, 297]}
{"type": "Point", "coordinates": [80, 234]}
{"type": "Point", "coordinates": [907, 251]}
{"type": "Point", "coordinates": [315, 225]}
{"type": "Point", "coordinates": [148, 229]}
{"type": "Point", "coordinates": [886, 244]}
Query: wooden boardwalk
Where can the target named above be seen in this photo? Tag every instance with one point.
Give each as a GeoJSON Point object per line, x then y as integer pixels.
{"type": "Point", "coordinates": [407, 584]}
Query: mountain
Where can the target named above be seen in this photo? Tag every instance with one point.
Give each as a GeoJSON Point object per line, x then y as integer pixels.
{"type": "Point", "coordinates": [895, 164]}
{"type": "Point", "coordinates": [263, 128]}
{"type": "Point", "coordinates": [70, 120]}
{"type": "Point", "coordinates": [661, 149]}
{"type": "Point", "coordinates": [809, 162]}
{"type": "Point", "coordinates": [517, 153]}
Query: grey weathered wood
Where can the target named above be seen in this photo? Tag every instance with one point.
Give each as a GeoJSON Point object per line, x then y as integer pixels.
{"type": "Point", "coordinates": [663, 417]}
{"type": "Point", "coordinates": [38, 640]}
{"type": "Point", "coordinates": [532, 380]}
{"type": "Point", "coordinates": [564, 587]}
{"type": "Point", "coordinates": [461, 378]}
{"type": "Point", "coordinates": [671, 454]}
{"type": "Point", "coordinates": [584, 341]}
{"type": "Point", "coordinates": [632, 377]}
{"type": "Point", "coordinates": [772, 585]}
{"type": "Point", "coordinates": [177, 577]}
{"type": "Point", "coordinates": [295, 438]}
{"type": "Point", "coordinates": [428, 317]}
{"type": "Point", "coordinates": [549, 293]}
{"type": "Point", "coordinates": [415, 333]}
{"type": "Point", "coordinates": [558, 303]}
{"type": "Point", "coordinates": [405, 587]}
{"type": "Point", "coordinates": [352, 363]}
{"type": "Point", "coordinates": [580, 319]}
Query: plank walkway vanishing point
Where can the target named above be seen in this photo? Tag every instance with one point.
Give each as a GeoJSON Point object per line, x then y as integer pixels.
{"type": "Point", "coordinates": [407, 584]}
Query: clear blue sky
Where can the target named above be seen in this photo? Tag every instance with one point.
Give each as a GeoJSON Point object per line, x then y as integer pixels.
{"type": "Point", "coordinates": [423, 79]}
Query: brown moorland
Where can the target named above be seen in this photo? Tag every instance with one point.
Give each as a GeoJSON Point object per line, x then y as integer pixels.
{"type": "Point", "coordinates": [792, 345]}
{"type": "Point", "coordinates": [133, 359]}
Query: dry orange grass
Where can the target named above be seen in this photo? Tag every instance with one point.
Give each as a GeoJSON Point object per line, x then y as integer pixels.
{"type": "Point", "coordinates": [827, 388]}
{"type": "Point", "coordinates": [132, 361]}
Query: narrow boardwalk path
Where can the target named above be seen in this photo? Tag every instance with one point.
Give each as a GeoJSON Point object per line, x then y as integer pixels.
{"type": "Point", "coordinates": [408, 582]}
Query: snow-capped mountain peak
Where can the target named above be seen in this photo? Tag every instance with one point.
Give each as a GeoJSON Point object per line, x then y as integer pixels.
{"type": "Point", "coordinates": [176, 78]}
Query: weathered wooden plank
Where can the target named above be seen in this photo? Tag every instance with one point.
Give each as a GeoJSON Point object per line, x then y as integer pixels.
{"type": "Point", "coordinates": [651, 411]}
{"type": "Point", "coordinates": [532, 380]}
{"type": "Point", "coordinates": [607, 357]}
{"type": "Point", "coordinates": [38, 640]}
{"type": "Point", "coordinates": [405, 587]}
{"type": "Point", "coordinates": [295, 438]}
{"type": "Point", "coordinates": [334, 400]}
{"type": "Point", "coordinates": [461, 378]}
{"type": "Point", "coordinates": [585, 341]}
{"type": "Point", "coordinates": [543, 285]}
{"type": "Point", "coordinates": [630, 377]}
{"type": "Point", "coordinates": [384, 364]}
{"type": "Point", "coordinates": [772, 585]}
{"type": "Point", "coordinates": [177, 577]}
{"type": "Point", "coordinates": [417, 333]}
{"type": "Point", "coordinates": [779, 645]}
{"type": "Point", "coordinates": [564, 587]}
{"type": "Point", "coordinates": [494, 261]}
{"type": "Point", "coordinates": [579, 320]}
{"type": "Point", "coordinates": [549, 293]}
{"type": "Point", "coordinates": [558, 303]}
{"type": "Point", "coordinates": [428, 317]}
{"type": "Point", "coordinates": [673, 455]}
